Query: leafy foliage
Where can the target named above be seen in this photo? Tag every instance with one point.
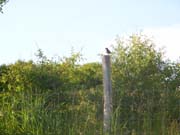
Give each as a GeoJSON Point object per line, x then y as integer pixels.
{"type": "Point", "coordinates": [145, 86]}
{"type": "Point", "coordinates": [2, 2]}
{"type": "Point", "coordinates": [65, 97]}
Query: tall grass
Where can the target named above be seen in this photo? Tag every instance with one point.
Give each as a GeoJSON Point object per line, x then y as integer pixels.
{"type": "Point", "coordinates": [29, 113]}
{"type": "Point", "coordinates": [159, 117]}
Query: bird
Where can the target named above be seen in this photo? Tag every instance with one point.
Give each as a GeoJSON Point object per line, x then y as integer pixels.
{"type": "Point", "coordinates": [108, 51]}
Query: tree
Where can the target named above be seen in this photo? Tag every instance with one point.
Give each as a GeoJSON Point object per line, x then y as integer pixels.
{"type": "Point", "coordinates": [2, 2]}
{"type": "Point", "coordinates": [144, 85]}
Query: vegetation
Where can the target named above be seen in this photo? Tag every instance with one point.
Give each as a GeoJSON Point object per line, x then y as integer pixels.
{"type": "Point", "coordinates": [64, 97]}
{"type": "Point", "coordinates": [2, 2]}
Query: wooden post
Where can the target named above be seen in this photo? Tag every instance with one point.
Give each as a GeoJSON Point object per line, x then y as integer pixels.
{"type": "Point", "coordinates": [107, 93]}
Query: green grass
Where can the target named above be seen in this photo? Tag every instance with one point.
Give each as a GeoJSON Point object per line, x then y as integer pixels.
{"type": "Point", "coordinates": [24, 113]}
{"type": "Point", "coordinates": [31, 114]}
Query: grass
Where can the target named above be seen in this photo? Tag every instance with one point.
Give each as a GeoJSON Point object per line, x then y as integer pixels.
{"type": "Point", "coordinates": [31, 114]}
{"type": "Point", "coordinates": [26, 113]}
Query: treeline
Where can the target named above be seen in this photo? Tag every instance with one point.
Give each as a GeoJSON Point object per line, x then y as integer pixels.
{"type": "Point", "coordinates": [50, 97]}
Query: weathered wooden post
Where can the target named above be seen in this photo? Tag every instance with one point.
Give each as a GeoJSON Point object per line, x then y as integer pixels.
{"type": "Point", "coordinates": [107, 93]}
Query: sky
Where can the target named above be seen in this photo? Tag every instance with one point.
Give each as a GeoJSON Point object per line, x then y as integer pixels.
{"type": "Point", "coordinates": [88, 26]}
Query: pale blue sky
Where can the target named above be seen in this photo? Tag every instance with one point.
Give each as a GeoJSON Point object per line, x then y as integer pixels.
{"type": "Point", "coordinates": [57, 25]}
